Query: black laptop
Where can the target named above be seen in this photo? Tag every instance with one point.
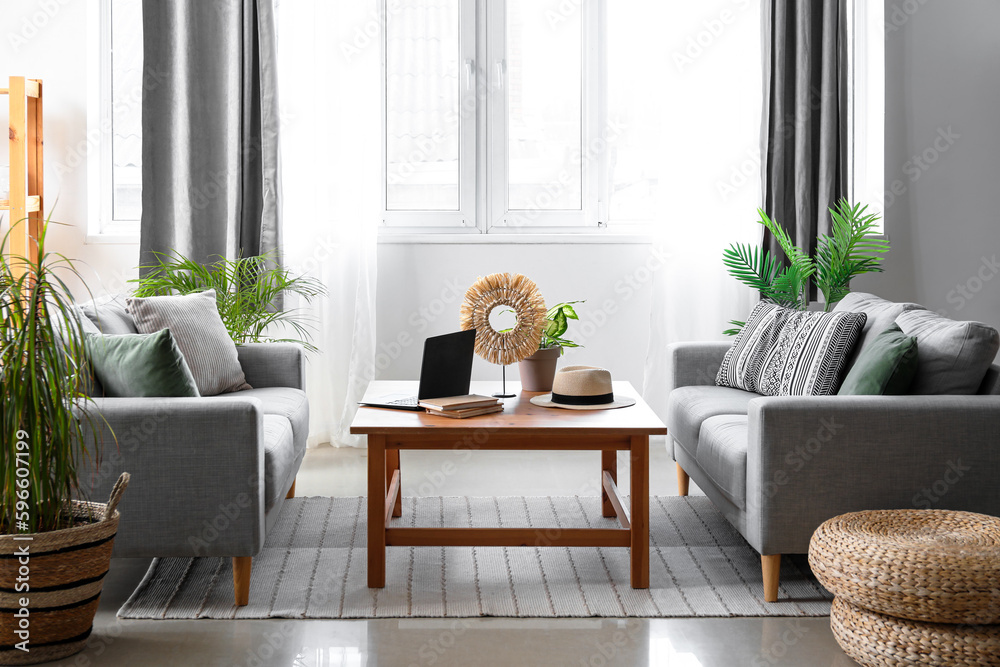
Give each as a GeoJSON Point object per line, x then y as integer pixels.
{"type": "Point", "coordinates": [446, 370]}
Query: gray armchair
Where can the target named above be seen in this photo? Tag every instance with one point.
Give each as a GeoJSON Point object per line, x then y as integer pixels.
{"type": "Point", "coordinates": [209, 474]}
{"type": "Point", "coordinates": [777, 467]}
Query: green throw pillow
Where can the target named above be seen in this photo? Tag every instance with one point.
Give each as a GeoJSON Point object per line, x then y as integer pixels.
{"type": "Point", "coordinates": [140, 365]}
{"type": "Point", "coordinates": [885, 367]}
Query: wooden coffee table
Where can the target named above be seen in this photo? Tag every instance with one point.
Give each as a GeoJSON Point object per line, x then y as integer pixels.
{"type": "Point", "coordinates": [521, 426]}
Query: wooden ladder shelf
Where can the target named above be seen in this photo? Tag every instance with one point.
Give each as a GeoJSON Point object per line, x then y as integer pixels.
{"type": "Point", "coordinates": [24, 205]}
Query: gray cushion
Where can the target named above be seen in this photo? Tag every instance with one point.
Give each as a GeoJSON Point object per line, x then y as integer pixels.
{"type": "Point", "coordinates": [722, 454]}
{"type": "Point", "coordinates": [279, 458]}
{"type": "Point", "coordinates": [91, 385]}
{"type": "Point", "coordinates": [953, 356]}
{"type": "Point", "coordinates": [689, 407]}
{"type": "Point", "coordinates": [140, 365]}
{"type": "Point", "coordinates": [881, 314]}
{"type": "Point", "coordinates": [194, 321]}
{"type": "Point", "coordinates": [991, 383]}
{"type": "Point", "coordinates": [286, 402]}
{"type": "Point", "coordinates": [110, 315]}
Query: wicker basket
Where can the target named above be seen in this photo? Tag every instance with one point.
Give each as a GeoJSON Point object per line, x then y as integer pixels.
{"type": "Point", "coordinates": [878, 640]}
{"type": "Point", "coordinates": [934, 566]}
{"type": "Point", "coordinates": [66, 573]}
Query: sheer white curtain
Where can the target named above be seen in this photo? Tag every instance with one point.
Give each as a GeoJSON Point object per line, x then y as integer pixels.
{"type": "Point", "coordinates": [710, 70]}
{"type": "Point", "coordinates": [329, 73]}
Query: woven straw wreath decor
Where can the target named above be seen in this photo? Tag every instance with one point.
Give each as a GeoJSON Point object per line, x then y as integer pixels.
{"type": "Point", "coordinates": [520, 294]}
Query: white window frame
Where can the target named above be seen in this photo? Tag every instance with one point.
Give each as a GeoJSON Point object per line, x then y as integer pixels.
{"type": "Point", "coordinates": [102, 227]}
{"type": "Point", "coordinates": [483, 152]}
{"type": "Point", "coordinates": [503, 219]}
{"type": "Point", "coordinates": [462, 219]}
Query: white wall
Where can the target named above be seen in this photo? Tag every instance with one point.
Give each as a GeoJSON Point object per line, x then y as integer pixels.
{"type": "Point", "coordinates": [48, 40]}
{"type": "Point", "coordinates": [943, 109]}
{"type": "Point", "coordinates": [421, 286]}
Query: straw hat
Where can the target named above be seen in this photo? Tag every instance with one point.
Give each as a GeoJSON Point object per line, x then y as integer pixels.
{"type": "Point", "coordinates": [582, 388]}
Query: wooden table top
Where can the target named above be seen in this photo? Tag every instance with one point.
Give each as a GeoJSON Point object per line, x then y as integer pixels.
{"type": "Point", "coordinates": [519, 415]}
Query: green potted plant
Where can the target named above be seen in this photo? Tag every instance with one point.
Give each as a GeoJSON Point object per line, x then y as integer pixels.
{"type": "Point", "coordinates": [49, 592]}
{"type": "Point", "coordinates": [538, 370]}
{"type": "Point", "coordinates": [246, 289]}
{"type": "Point", "coordinates": [855, 248]}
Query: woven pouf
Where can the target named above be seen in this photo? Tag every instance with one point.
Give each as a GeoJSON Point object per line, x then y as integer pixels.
{"type": "Point", "coordinates": [878, 640]}
{"type": "Point", "coordinates": [934, 566]}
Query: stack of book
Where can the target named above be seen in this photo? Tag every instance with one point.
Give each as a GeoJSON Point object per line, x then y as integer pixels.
{"type": "Point", "coordinates": [460, 407]}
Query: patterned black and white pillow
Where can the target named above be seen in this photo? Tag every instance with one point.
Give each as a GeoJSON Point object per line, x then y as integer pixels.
{"type": "Point", "coordinates": [784, 352]}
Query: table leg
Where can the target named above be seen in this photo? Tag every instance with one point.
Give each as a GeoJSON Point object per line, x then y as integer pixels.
{"type": "Point", "coordinates": [391, 466]}
{"type": "Point", "coordinates": [376, 511]}
{"type": "Point", "coordinates": [609, 462]}
{"type": "Point", "coordinates": [639, 473]}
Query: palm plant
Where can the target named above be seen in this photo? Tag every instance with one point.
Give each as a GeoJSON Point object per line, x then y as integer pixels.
{"type": "Point", "coordinates": [44, 375]}
{"type": "Point", "coordinates": [853, 249]}
{"type": "Point", "coordinates": [246, 289]}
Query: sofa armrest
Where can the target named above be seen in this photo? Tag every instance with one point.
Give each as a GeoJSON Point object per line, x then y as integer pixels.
{"type": "Point", "coordinates": [197, 469]}
{"type": "Point", "coordinates": [273, 364]}
{"type": "Point", "coordinates": [813, 458]}
{"type": "Point", "coordinates": [694, 363]}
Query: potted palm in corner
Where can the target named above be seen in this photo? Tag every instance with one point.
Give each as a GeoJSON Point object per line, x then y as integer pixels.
{"type": "Point", "coordinates": [854, 248]}
{"type": "Point", "coordinates": [538, 371]}
{"type": "Point", "coordinates": [54, 548]}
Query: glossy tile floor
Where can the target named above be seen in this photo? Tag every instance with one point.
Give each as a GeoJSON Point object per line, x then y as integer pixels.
{"type": "Point", "coordinates": [755, 642]}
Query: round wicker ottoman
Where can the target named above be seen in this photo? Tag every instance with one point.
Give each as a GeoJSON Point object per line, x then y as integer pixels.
{"type": "Point", "coordinates": [933, 566]}
{"type": "Point", "coordinates": [878, 640]}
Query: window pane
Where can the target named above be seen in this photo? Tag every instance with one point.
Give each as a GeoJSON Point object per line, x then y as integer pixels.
{"type": "Point", "coordinates": [126, 109]}
{"type": "Point", "coordinates": [422, 113]}
{"type": "Point", "coordinates": [637, 112]}
{"type": "Point", "coordinates": [868, 117]}
{"type": "Point", "coordinates": [545, 105]}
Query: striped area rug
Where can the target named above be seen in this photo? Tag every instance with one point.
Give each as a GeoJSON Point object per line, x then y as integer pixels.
{"type": "Point", "coordinates": [314, 566]}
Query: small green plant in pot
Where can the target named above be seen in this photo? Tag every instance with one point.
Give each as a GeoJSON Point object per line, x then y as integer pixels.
{"type": "Point", "coordinates": [62, 544]}
{"type": "Point", "coordinates": [538, 370]}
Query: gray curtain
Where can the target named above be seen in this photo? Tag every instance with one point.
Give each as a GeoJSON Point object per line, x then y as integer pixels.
{"type": "Point", "coordinates": [804, 134]}
{"type": "Point", "coordinates": [210, 172]}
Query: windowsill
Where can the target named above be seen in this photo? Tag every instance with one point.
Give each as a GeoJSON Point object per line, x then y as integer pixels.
{"type": "Point", "coordinates": [112, 239]}
{"type": "Point", "coordinates": [588, 238]}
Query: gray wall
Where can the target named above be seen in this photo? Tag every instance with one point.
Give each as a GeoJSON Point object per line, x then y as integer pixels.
{"type": "Point", "coordinates": [943, 155]}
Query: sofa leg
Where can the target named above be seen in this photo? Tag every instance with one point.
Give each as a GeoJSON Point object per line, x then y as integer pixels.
{"type": "Point", "coordinates": [771, 568]}
{"type": "Point", "coordinates": [241, 579]}
{"type": "Point", "coordinates": [683, 481]}
{"type": "Point", "coordinates": [291, 490]}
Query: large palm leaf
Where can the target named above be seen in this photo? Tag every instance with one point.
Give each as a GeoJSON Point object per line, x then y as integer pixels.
{"type": "Point", "coordinates": [804, 265]}
{"type": "Point", "coordinates": [751, 265]}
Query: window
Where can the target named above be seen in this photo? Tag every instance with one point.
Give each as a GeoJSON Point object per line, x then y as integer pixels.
{"type": "Point", "coordinates": [491, 115]}
{"type": "Point", "coordinates": [867, 104]}
{"type": "Point", "coordinates": [114, 137]}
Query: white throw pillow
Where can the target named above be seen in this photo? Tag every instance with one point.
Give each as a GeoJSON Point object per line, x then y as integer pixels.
{"type": "Point", "coordinates": [197, 327]}
{"type": "Point", "coordinates": [784, 352]}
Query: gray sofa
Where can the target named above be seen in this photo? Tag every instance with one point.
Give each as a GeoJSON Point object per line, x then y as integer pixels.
{"type": "Point", "coordinates": [777, 467]}
{"type": "Point", "coordinates": [209, 474]}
